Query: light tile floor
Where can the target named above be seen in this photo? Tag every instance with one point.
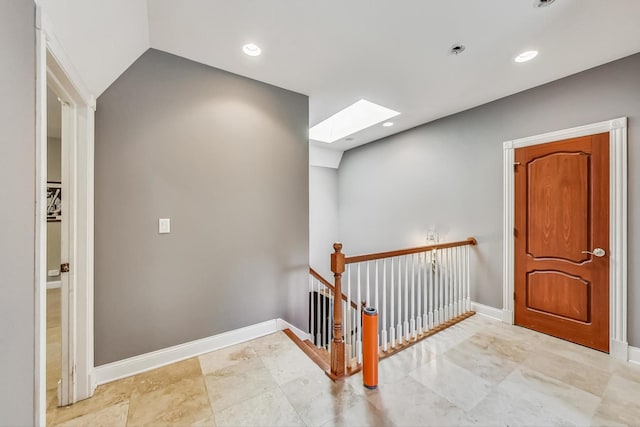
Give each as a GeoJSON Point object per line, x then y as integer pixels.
{"type": "Point", "coordinates": [54, 345]}
{"type": "Point", "coordinates": [478, 372]}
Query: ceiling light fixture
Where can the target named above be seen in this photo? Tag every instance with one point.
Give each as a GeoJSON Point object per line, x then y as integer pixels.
{"type": "Point", "coordinates": [526, 56]}
{"type": "Point", "coordinates": [387, 124]}
{"type": "Point", "coordinates": [356, 117]}
{"type": "Point", "coordinates": [251, 49]}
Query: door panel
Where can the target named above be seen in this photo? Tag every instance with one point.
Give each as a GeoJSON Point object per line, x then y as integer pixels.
{"type": "Point", "coordinates": [558, 187]}
{"type": "Point", "coordinates": [561, 213]}
{"type": "Point", "coordinates": [558, 294]}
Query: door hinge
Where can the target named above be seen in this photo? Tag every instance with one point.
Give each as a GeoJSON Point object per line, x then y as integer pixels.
{"type": "Point", "coordinates": [515, 165]}
{"type": "Point", "coordinates": [64, 268]}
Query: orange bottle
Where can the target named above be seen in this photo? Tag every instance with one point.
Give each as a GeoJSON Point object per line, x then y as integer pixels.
{"type": "Point", "coordinates": [370, 348]}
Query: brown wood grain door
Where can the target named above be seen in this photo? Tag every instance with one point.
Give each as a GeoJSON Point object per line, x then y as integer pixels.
{"type": "Point", "coordinates": [562, 214]}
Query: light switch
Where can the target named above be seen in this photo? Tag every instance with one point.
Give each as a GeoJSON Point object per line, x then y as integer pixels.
{"type": "Point", "coordinates": [164, 225]}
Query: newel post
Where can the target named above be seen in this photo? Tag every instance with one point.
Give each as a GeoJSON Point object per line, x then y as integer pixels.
{"type": "Point", "coordinates": [337, 347]}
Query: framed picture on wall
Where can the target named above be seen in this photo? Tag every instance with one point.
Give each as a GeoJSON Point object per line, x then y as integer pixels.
{"type": "Point", "coordinates": [54, 201]}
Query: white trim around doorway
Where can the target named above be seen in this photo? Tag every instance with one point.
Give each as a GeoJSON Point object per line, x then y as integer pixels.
{"type": "Point", "coordinates": [617, 128]}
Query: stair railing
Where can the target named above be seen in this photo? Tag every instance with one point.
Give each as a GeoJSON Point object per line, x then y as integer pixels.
{"type": "Point", "coordinates": [321, 301]}
{"type": "Point", "coordinates": [417, 292]}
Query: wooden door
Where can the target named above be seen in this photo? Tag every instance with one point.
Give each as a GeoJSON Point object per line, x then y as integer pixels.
{"type": "Point", "coordinates": [561, 221]}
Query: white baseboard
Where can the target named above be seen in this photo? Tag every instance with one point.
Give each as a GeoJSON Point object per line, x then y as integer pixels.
{"type": "Point", "coordinates": [486, 310]}
{"type": "Point", "coordinates": [634, 354]}
{"type": "Point", "coordinates": [54, 284]}
{"type": "Point", "coordinates": [283, 324]}
{"type": "Point", "coordinates": [156, 359]}
{"type": "Point", "coordinates": [619, 350]}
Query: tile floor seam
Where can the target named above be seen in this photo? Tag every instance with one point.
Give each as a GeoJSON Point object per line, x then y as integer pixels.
{"type": "Point", "coordinates": [213, 413]}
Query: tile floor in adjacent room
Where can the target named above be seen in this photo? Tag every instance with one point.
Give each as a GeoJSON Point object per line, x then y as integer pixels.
{"type": "Point", "coordinates": [478, 372]}
{"type": "Point", "coordinates": [54, 345]}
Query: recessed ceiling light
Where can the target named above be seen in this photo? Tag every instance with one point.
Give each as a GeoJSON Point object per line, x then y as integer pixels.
{"type": "Point", "coordinates": [387, 124]}
{"type": "Point", "coordinates": [356, 117]}
{"type": "Point", "coordinates": [526, 56]}
{"type": "Point", "coordinates": [251, 49]}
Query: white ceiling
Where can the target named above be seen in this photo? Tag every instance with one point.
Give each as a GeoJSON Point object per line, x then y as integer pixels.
{"type": "Point", "coordinates": [101, 37]}
{"type": "Point", "coordinates": [337, 52]}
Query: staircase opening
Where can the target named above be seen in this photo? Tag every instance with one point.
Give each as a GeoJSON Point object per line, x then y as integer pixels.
{"type": "Point", "coordinates": [418, 292]}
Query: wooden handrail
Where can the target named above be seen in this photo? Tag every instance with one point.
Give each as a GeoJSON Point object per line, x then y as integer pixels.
{"type": "Point", "coordinates": [322, 280]}
{"type": "Point", "coordinates": [471, 241]}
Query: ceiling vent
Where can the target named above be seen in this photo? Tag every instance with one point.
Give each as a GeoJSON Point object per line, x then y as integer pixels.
{"type": "Point", "coordinates": [457, 49]}
{"type": "Point", "coordinates": [542, 3]}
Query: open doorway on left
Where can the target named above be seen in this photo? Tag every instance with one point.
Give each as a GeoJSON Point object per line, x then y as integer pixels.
{"type": "Point", "coordinates": [54, 245]}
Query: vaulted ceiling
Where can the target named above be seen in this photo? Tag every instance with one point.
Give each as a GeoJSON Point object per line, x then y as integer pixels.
{"type": "Point", "coordinates": [337, 52]}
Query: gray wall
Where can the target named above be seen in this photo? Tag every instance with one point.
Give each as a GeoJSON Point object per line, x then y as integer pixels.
{"type": "Point", "coordinates": [226, 158]}
{"type": "Point", "coordinates": [323, 218]}
{"type": "Point", "coordinates": [54, 164]}
{"type": "Point", "coordinates": [447, 174]}
{"type": "Point", "coordinates": [17, 217]}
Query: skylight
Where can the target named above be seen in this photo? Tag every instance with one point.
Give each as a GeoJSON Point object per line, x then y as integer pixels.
{"type": "Point", "coordinates": [356, 117]}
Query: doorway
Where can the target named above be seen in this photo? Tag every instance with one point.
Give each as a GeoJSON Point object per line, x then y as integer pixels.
{"type": "Point", "coordinates": [546, 280]}
{"type": "Point", "coordinates": [55, 73]}
{"type": "Point", "coordinates": [54, 248]}
{"type": "Point", "coordinates": [562, 239]}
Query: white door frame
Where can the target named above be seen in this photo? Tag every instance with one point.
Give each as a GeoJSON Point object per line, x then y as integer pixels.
{"type": "Point", "coordinates": [617, 128]}
{"type": "Point", "coordinates": [54, 68]}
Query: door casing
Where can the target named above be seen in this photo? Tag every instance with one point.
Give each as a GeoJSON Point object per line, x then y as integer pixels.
{"type": "Point", "coordinates": [617, 128]}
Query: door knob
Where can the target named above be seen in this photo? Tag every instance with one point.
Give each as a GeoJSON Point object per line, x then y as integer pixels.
{"type": "Point", "coordinates": [599, 252]}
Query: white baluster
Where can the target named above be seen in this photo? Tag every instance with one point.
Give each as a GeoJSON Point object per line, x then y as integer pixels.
{"type": "Point", "coordinates": [407, 333]}
{"type": "Point", "coordinates": [323, 307]}
{"type": "Point", "coordinates": [436, 289]}
{"type": "Point", "coordinates": [459, 263]}
{"type": "Point", "coordinates": [468, 293]}
{"type": "Point", "coordinates": [449, 284]}
{"type": "Point", "coordinates": [315, 314]}
{"type": "Point", "coordinates": [431, 290]}
{"type": "Point", "coordinates": [384, 305]}
{"type": "Point", "coordinates": [322, 314]}
{"type": "Point", "coordinates": [377, 273]}
{"type": "Point", "coordinates": [444, 285]}
{"type": "Point", "coordinates": [419, 326]}
{"type": "Point", "coordinates": [412, 321]}
{"type": "Point", "coordinates": [368, 298]}
{"type": "Point", "coordinates": [425, 281]}
{"type": "Point", "coordinates": [399, 327]}
{"type": "Point", "coordinates": [441, 277]}
{"type": "Point", "coordinates": [392, 331]}
{"type": "Point", "coordinates": [311, 312]}
{"type": "Point", "coordinates": [349, 335]}
{"type": "Point", "coordinates": [359, 321]}
{"type": "Point", "coordinates": [454, 282]}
